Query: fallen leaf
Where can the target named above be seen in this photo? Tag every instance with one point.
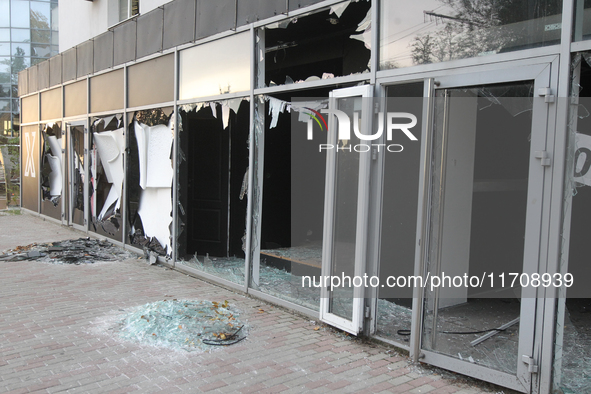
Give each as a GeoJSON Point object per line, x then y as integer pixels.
{"type": "Point", "coordinates": [180, 327]}
{"type": "Point", "coordinates": [316, 328]}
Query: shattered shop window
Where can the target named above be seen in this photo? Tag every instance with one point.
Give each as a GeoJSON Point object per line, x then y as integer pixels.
{"type": "Point", "coordinates": [149, 180]}
{"type": "Point", "coordinates": [331, 43]}
{"type": "Point", "coordinates": [106, 173]}
{"type": "Point", "coordinates": [51, 170]}
{"type": "Point", "coordinates": [212, 183]}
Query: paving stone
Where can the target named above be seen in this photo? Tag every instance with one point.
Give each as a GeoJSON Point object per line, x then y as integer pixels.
{"type": "Point", "coordinates": [57, 333]}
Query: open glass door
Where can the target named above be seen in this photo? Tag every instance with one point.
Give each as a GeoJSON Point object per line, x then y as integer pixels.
{"type": "Point", "coordinates": [485, 209]}
{"type": "Point", "coordinates": [345, 208]}
{"type": "Point", "coordinates": [77, 174]}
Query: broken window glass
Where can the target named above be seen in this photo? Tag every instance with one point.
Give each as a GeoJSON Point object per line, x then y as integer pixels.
{"type": "Point", "coordinates": [289, 198]}
{"type": "Point", "coordinates": [326, 44]}
{"type": "Point", "coordinates": [440, 30]}
{"type": "Point", "coordinates": [212, 199]}
{"type": "Point", "coordinates": [149, 180]}
{"type": "Point", "coordinates": [572, 353]}
{"type": "Point", "coordinates": [224, 67]}
{"type": "Point", "coordinates": [399, 217]}
{"type": "Point", "coordinates": [77, 173]}
{"type": "Point", "coordinates": [184, 324]}
{"type": "Point", "coordinates": [478, 204]}
{"type": "Point", "coordinates": [106, 173]}
{"type": "Point", "coordinates": [52, 178]}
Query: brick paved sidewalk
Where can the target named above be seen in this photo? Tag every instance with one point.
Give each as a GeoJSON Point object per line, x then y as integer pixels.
{"type": "Point", "coordinates": [56, 334]}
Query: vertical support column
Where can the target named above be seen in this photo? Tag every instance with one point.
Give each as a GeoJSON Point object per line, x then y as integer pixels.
{"type": "Point", "coordinates": [251, 161]}
{"type": "Point", "coordinates": [553, 310]}
{"type": "Point", "coordinates": [125, 132]}
{"type": "Point", "coordinates": [375, 40]}
{"type": "Point", "coordinates": [175, 159]}
{"type": "Point", "coordinates": [422, 219]}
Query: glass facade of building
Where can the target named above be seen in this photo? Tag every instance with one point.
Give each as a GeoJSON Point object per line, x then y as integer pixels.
{"type": "Point", "coordinates": [28, 35]}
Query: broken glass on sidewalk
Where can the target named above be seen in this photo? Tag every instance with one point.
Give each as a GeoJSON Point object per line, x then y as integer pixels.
{"type": "Point", "coordinates": [184, 324]}
{"type": "Point", "coordinates": [73, 251]}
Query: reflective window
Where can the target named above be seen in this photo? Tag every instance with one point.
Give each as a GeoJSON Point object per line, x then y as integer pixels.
{"type": "Point", "coordinates": [40, 36]}
{"type": "Point", "coordinates": [4, 49]}
{"type": "Point", "coordinates": [434, 31]}
{"type": "Point", "coordinates": [4, 34]}
{"type": "Point", "coordinates": [5, 66]}
{"type": "Point", "coordinates": [4, 13]}
{"type": "Point", "coordinates": [23, 49]}
{"type": "Point", "coordinates": [223, 67]}
{"type": "Point", "coordinates": [19, 12]}
{"type": "Point", "coordinates": [40, 15]}
{"type": "Point", "coordinates": [20, 35]}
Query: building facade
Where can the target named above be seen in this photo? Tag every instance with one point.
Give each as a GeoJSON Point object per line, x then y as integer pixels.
{"type": "Point", "coordinates": [28, 35]}
{"type": "Point", "coordinates": [431, 158]}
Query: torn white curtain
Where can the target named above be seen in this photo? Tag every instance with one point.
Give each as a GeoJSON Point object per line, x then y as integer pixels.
{"type": "Point", "coordinates": [110, 146]}
{"type": "Point", "coordinates": [154, 146]}
{"type": "Point", "coordinates": [55, 163]}
{"type": "Point", "coordinates": [276, 107]}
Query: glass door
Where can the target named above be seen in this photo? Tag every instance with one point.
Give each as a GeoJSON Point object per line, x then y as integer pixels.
{"type": "Point", "coordinates": [345, 213]}
{"type": "Point", "coordinates": [484, 224]}
{"type": "Point", "coordinates": [77, 174]}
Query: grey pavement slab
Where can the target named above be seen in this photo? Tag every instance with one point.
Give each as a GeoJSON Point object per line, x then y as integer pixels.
{"type": "Point", "coordinates": [58, 333]}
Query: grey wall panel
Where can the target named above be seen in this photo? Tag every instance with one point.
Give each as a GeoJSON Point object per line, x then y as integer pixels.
{"type": "Point", "coordinates": [43, 74]}
{"type": "Point", "coordinates": [124, 38]}
{"type": "Point", "coordinates": [103, 51]}
{"type": "Point", "coordinates": [55, 70]}
{"type": "Point", "coordinates": [179, 23]}
{"type": "Point", "coordinates": [255, 10]}
{"type": "Point", "coordinates": [23, 82]}
{"type": "Point", "coordinates": [149, 32]}
{"type": "Point", "coordinates": [84, 54]}
{"type": "Point", "coordinates": [215, 17]}
{"type": "Point", "coordinates": [297, 4]}
{"type": "Point", "coordinates": [33, 85]}
{"type": "Point", "coordinates": [69, 65]}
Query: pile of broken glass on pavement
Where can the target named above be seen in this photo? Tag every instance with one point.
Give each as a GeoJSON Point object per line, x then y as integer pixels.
{"type": "Point", "coordinates": [183, 324]}
{"type": "Point", "coordinates": [74, 251]}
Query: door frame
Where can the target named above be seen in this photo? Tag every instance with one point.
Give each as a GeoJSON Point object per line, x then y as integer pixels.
{"type": "Point", "coordinates": [355, 325]}
{"type": "Point", "coordinates": [543, 72]}
{"type": "Point", "coordinates": [68, 170]}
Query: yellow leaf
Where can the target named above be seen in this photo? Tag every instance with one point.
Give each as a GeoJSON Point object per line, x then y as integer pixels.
{"type": "Point", "coordinates": [316, 328]}
{"type": "Point", "coordinates": [180, 327]}
{"type": "Point", "coordinates": [223, 336]}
